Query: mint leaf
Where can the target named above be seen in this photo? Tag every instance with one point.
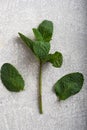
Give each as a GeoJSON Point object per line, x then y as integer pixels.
{"type": "Point", "coordinates": [27, 41]}
{"type": "Point", "coordinates": [41, 49]}
{"type": "Point", "coordinates": [46, 30]}
{"type": "Point", "coordinates": [69, 85]}
{"type": "Point", "coordinates": [56, 59]}
{"type": "Point", "coordinates": [37, 34]}
{"type": "Point", "coordinates": [11, 78]}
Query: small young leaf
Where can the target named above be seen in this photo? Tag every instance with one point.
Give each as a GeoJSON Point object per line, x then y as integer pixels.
{"type": "Point", "coordinates": [46, 30]}
{"type": "Point", "coordinates": [69, 85]}
{"type": "Point", "coordinates": [27, 41]}
{"type": "Point", "coordinates": [37, 34]}
{"type": "Point", "coordinates": [11, 78]}
{"type": "Point", "coordinates": [41, 49]}
{"type": "Point", "coordinates": [56, 59]}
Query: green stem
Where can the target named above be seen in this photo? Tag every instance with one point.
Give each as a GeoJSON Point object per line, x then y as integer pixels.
{"type": "Point", "coordinates": [40, 89]}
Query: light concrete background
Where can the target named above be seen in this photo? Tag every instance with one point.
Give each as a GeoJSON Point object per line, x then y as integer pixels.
{"type": "Point", "coordinates": [19, 111]}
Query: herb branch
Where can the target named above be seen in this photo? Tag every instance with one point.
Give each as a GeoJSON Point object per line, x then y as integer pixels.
{"type": "Point", "coordinates": [41, 48]}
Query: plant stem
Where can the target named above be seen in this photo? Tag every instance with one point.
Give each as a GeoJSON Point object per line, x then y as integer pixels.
{"type": "Point", "coordinates": [40, 89]}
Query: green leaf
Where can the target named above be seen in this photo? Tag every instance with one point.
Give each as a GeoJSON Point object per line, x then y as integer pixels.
{"type": "Point", "coordinates": [27, 41]}
{"type": "Point", "coordinates": [56, 59]}
{"type": "Point", "coordinates": [11, 78]}
{"type": "Point", "coordinates": [41, 49]}
{"type": "Point", "coordinates": [46, 30]}
{"type": "Point", "coordinates": [37, 34]}
{"type": "Point", "coordinates": [69, 85]}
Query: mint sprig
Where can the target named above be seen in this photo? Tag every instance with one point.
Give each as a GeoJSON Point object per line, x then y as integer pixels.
{"type": "Point", "coordinates": [41, 47]}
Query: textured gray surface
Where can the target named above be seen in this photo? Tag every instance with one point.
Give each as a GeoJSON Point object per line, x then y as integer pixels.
{"type": "Point", "coordinates": [19, 111]}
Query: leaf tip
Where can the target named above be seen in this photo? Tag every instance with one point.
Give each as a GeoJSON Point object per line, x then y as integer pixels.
{"type": "Point", "coordinates": [19, 33]}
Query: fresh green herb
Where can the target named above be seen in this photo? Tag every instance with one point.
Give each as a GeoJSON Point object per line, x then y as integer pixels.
{"type": "Point", "coordinates": [65, 87]}
{"type": "Point", "coordinates": [11, 78]}
{"type": "Point", "coordinates": [41, 48]}
{"type": "Point", "coordinates": [69, 85]}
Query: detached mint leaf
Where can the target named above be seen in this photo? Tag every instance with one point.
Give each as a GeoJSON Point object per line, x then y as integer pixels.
{"type": "Point", "coordinates": [37, 34]}
{"type": "Point", "coordinates": [46, 30]}
{"type": "Point", "coordinates": [56, 59]}
{"type": "Point", "coordinates": [11, 78]}
{"type": "Point", "coordinates": [69, 85]}
{"type": "Point", "coordinates": [41, 49]}
{"type": "Point", "coordinates": [27, 41]}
